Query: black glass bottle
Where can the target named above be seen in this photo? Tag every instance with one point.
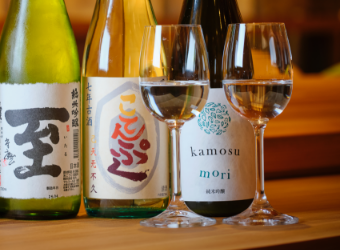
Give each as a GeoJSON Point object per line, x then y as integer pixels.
{"type": "Point", "coordinates": [214, 16]}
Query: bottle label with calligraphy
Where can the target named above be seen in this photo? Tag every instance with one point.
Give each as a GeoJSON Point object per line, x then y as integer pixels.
{"type": "Point", "coordinates": [40, 144]}
{"type": "Point", "coordinates": [218, 154]}
{"type": "Point", "coordinates": [125, 148]}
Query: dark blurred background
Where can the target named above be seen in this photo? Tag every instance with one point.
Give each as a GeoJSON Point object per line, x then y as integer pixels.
{"type": "Point", "coordinates": [305, 139]}
{"type": "Point", "coordinates": [313, 25]}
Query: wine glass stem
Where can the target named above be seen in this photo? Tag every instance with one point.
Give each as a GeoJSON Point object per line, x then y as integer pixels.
{"type": "Point", "coordinates": [175, 130]}
{"type": "Point", "coordinates": [176, 164]}
{"type": "Point", "coordinates": [260, 196]}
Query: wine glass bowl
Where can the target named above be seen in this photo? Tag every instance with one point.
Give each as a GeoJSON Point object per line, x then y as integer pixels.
{"type": "Point", "coordinates": [258, 83]}
{"type": "Point", "coordinates": [174, 85]}
{"type": "Point", "coordinates": [258, 101]}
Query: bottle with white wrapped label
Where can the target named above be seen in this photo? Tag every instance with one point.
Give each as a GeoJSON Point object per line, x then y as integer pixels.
{"type": "Point", "coordinates": [40, 113]}
{"type": "Point", "coordinates": [217, 147]}
{"type": "Point", "coordinates": [125, 149]}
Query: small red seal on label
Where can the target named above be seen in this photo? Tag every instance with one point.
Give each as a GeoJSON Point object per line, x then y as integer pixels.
{"type": "Point", "coordinates": [68, 128]}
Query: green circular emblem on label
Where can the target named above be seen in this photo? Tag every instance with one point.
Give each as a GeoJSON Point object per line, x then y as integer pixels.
{"type": "Point", "coordinates": [214, 118]}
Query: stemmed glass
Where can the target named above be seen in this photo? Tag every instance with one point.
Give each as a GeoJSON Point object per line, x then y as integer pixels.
{"type": "Point", "coordinates": [174, 84]}
{"type": "Point", "coordinates": [258, 83]}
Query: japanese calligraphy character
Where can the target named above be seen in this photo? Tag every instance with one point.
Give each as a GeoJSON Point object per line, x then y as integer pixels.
{"type": "Point", "coordinates": [75, 122]}
{"type": "Point", "coordinates": [89, 98]}
{"type": "Point", "coordinates": [129, 160]}
{"type": "Point", "coordinates": [93, 152]}
{"type": "Point", "coordinates": [93, 164]}
{"type": "Point", "coordinates": [75, 112]}
{"type": "Point", "coordinates": [93, 176]}
{"type": "Point", "coordinates": [93, 189]}
{"type": "Point", "coordinates": [7, 142]}
{"type": "Point", "coordinates": [125, 145]}
{"type": "Point", "coordinates": [39, 149]}
{"type": "Point", "coordinates": [75, 104]}
{"type": "Point", "coordinates": [89, 86]}
{"type": "Point", "coordinates": [117, 133]}
{"type": "Point", "coordinates": [74, 93]}
{"type": "Point", "coordinates": [93, 139]}
{"type": "Point", "coordinates": [113, 169]}
{"type": "Point", "coordinates": [10, 157]}
{"type": "Point", "coordinates": [89, 121]}
{"type": "Point", "coordinates": [144, 144]}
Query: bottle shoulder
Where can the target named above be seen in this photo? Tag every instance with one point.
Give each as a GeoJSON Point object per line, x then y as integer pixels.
{"type": "Point", "coordinates": [113, 43]}
{"type": "Point", "coordinates": [38, 45]}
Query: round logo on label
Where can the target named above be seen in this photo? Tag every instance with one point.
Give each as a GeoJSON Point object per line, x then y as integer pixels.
{"type": "Point", "coordinates": [214, 118]}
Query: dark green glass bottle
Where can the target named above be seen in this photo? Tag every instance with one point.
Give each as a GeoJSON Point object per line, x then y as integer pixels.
{"type": "Point", "coordinates": [211, 162]}
{"type": "Point", "coordinates": [40, 94]}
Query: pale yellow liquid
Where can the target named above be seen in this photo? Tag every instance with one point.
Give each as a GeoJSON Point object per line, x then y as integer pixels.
{"type": "Point", "coordinates": [259, 101]}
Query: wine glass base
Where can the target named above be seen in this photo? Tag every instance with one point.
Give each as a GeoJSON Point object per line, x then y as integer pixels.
{"type": "Point", "coordinates": [267, 216]}
{"type": "Point", "coordinates": [178, 219]}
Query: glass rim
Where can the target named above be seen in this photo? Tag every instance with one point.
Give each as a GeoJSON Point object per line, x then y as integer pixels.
{"type": "Point", "coordinates": [258, 23]}
{"type": "Point", "coordinates": [173, 25]}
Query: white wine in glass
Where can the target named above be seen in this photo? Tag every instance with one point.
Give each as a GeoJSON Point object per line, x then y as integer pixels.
{"type": "Point", "coordinates": [175, 100]}
{"type": "Point", "coordinates": [259, 100]}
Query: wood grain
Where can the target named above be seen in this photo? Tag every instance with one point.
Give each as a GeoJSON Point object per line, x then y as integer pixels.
{"type": "Point", "coordinates": [315, 200]}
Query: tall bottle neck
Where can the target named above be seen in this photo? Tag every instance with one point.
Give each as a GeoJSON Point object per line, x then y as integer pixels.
{"type": "Point", "coordinates": [110, 8]}
{"type": "Point", "coordinates": [197, 8]}
{"type": "Point", "coordinates": [116, 32]}
{"type": "Point", "coordinates": [214, 16]}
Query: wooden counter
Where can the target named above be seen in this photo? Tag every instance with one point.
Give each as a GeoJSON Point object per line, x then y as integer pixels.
{"type": "Point", "coordinates": [315, 200]}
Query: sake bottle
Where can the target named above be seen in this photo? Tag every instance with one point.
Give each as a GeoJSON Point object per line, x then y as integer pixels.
{"type": "Point", "coordinates": [217, 149]}
{"type": "Point", "coordinates": [40, 119]}
{"type": "Point", "coordinates": [125, 149]}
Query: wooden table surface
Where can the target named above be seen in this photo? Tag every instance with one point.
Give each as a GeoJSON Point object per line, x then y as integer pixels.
{"type": "Point", "coordinates": [315, 200]}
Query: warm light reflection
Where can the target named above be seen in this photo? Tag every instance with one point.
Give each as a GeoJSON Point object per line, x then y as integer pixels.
{"type": "Point", "coordinates": [191, 58]}
{"type": "Point", "coordinates": [240, 46]}
{"type": "Point", "coordinates": [157, 49]}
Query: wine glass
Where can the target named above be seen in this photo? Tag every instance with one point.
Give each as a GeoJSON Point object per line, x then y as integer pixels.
{"type": "Point", "coordinates": [258, 83]}
{"type": "Point", "coordinates": [174, 84]}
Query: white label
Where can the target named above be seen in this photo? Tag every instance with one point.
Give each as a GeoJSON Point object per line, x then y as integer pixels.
{"type": "Point", "coordinates": [218, 154]}
{"type": "Point", "coordinates": [1, 136]}
{"type": "Point", "coordinates": [126, 149]}
{"type": "Point", "coordinates": [39, 147]}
